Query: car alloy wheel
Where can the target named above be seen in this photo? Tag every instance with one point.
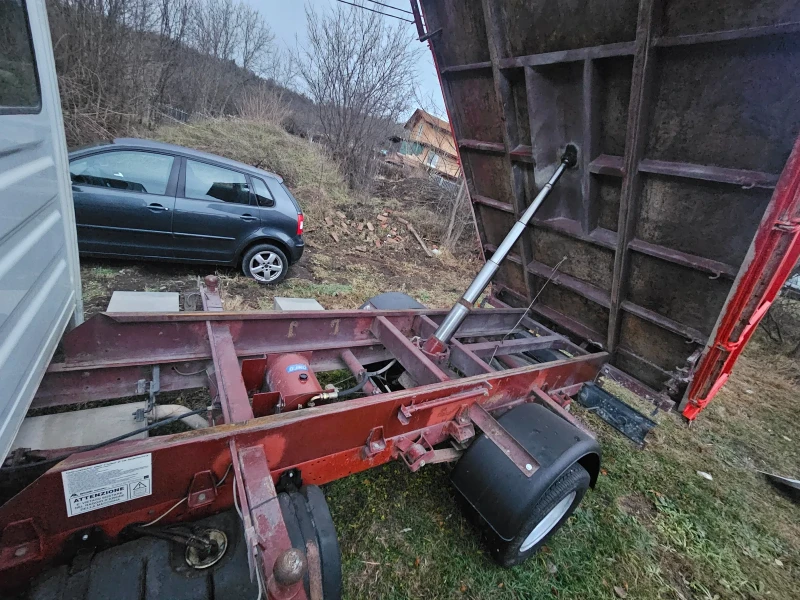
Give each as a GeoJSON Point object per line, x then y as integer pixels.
{"type": "Point", "coordinates": [266, 266]}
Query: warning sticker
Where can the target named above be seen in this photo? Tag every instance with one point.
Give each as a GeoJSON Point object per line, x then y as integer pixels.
{"type": "Point", "coordinates": [91, 488]}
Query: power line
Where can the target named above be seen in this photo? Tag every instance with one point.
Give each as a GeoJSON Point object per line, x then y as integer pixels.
{"type": "Point", "coordinates": [376, 11]}
{"type": "Point", "coordinates": [392, 7]}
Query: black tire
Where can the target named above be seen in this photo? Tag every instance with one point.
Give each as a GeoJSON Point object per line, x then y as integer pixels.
{"type": "Point", "coordinates": [272, 256]}
{"type": "Point", "coordinates": [574, 480]}
{"type": "Point", "coordinates": [307, 517]}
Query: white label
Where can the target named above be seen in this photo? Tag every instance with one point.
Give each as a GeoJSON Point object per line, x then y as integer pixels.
{"type": "Point", "coordinates": [91, 488]}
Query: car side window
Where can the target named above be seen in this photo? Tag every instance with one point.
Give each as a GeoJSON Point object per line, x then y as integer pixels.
{"type": "Point", "coordinates": [262, 192]}
{"type": "Point", "coordinates": [207, 182]}
{"type": "Point", "coordinates": [134, 171]}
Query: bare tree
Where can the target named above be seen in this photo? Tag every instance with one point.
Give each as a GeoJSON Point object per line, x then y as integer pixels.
{"type": "Point", "coordinates": [122, 63]}
{"type": "Point", "coordinates": [359, 69]}
{"type": "Point", "coordinates": [225, 34]}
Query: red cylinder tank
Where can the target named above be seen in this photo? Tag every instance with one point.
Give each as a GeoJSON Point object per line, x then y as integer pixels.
{"type": "Point", "coordinates": [291, 375]}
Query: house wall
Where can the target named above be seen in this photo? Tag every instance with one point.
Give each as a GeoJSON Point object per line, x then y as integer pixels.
{"type": "Point", "coordinates": [433, 136]}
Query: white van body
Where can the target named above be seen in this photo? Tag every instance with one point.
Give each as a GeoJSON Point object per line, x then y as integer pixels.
{"type": "Point", "coordinates": [40, 294]}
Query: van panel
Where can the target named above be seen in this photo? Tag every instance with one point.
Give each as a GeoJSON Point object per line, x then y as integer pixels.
{"type": "Point", "coordinates": [39, 274]}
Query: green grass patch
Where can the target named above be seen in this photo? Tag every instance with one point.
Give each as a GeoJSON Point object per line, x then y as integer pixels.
{"type": "Point", "coordinates": [652, 528]}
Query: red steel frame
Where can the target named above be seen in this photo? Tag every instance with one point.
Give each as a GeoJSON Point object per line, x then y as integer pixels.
{"type": "Point", "coordinates": [112, 356]}
{"type": "Point", "coordinates": [774, 254]}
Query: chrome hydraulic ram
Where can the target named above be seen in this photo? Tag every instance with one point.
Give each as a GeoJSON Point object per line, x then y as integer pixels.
{"type": "Point", "coordinates": [437, 342]}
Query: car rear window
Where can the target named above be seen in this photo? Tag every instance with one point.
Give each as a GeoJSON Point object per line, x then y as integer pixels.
{"type": "Point", "coordinates": [282, 194]}
{"type": "Point", "coordinates": [263, 195]}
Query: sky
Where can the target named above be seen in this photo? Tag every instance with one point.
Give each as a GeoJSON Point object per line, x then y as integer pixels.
{"type": "Point", "coordinates": [288, 21]}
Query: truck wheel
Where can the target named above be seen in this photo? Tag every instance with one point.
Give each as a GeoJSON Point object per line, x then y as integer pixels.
{"type": "Point", "coordinates": [547, 516]}
{"type": "Point", "coordinates": [519, 512]}
{"type": "Point", "coordinates": [307, 517]}
{"type": "Point", "coordinates": [265, 263]}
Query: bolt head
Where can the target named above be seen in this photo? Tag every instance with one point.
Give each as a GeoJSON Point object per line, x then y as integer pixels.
{"type": "Point", "coordinates": [212, 282]}
{"type": "Point", "coordinates": [201, 497]}
{"type": "Point", "coordinates": [422, 463]}
{"type": "Point", "coordinates": [85, 537]}
{"type": "Point", "coordinates": [529, 467]}
{"type": "Point", "coordinates": [290, 566]}
{"type": "Point", "coordinates": [21, 551]}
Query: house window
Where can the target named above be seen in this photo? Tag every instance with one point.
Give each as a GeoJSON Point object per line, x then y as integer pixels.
{"type": "Point", "coordinates": [432, 159]}
{"type": "Point", "coordinates": [410, 148]}
{"type": "Point", "coordinates": [419, 130]}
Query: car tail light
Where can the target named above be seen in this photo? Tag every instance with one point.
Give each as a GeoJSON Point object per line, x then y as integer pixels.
{"type": "Point", "coordinates": [300, 224]}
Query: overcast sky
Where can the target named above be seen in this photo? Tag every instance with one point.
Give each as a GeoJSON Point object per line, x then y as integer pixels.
{"type": "Point", "coordinates": [288, 21]}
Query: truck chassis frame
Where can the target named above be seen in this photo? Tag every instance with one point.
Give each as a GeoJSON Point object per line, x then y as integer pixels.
{"type": "Point", "coordinates": [120, 355]}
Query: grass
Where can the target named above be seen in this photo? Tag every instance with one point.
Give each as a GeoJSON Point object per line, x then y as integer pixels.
{"type": "Point", "coordinates": [652, 528]}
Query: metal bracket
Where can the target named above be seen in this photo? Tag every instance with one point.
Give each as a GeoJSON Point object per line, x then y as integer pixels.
{"type": "Point", "coordinates": [461, 428]}
{"type": "Point", "coordinates": [416, 454]}
{"type": "Point", "coordinates": [405, 412]}
{"type": "Point", "coordinates": [376, 443]}
{"type": "Point", "coordinates": [787, 226]}
{"type": "Point", "coordinates": [439, 357]}
{"type": "Point", "coordinates": [505, 441]}
{"type": "Point", "coordinates": [152, 388]}
{"type": "Point", "coordinates": [20, 542]}
{"type": "Point", "coordinates": [202, 490]}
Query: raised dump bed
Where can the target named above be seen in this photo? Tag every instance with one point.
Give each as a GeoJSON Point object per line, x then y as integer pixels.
{"type": "Point", "coordinates": [673, 231]}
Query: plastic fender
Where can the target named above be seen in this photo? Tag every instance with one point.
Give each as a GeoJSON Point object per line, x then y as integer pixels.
{"type": "Point", "coordinates": [496, 488]}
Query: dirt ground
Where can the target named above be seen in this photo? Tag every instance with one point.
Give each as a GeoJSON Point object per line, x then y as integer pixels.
{"type": "Point", "coordinates": [339, 273]}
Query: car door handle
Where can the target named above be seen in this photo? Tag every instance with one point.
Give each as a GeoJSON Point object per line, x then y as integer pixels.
{"type": "Point", "coordinates": [248, 217]}
{"type": "Point", "coordinates": [157, 207]}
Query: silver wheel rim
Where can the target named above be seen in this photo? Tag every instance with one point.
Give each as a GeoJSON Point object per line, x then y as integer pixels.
{"type": "Point", "coordinates": [266, 266]}
{"type": "Point", "coordinates": [547, 524]}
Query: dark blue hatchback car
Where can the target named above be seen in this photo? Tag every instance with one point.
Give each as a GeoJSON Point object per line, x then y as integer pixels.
{"type": "Point", "coordinates": [148, 200]}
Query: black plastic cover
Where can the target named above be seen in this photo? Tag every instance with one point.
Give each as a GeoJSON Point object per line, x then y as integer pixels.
{"type": "Point", "coordinates": [495, 487]}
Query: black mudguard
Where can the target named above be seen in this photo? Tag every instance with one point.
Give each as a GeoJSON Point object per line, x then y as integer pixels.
{"type": "Point", "coordinates": [496, 488]}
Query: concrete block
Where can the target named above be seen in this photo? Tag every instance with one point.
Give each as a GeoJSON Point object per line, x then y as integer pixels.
{"type": "Point", "coordinates": [291, 304]}
{"type": "Point", "coordinates": [80, 427]}
{"type": "Point", "coordinates": [144, 302]}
